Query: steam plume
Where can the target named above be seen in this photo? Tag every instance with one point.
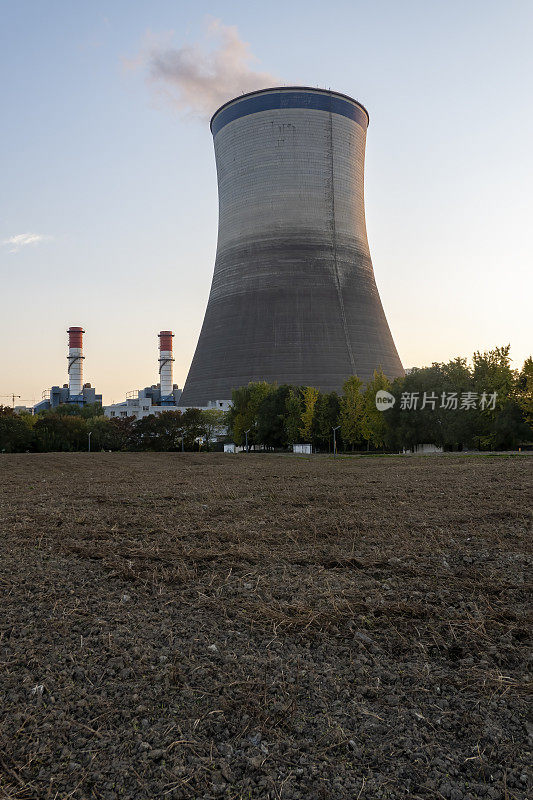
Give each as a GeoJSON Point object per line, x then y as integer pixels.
{"type": "Point", "coordinates": [198, 79]}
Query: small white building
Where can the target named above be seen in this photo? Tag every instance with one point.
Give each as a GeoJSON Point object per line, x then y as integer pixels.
{"type": "Point", "coordinates": [302, 449]}
{"type": "Point", "coordinates": [424, 449]}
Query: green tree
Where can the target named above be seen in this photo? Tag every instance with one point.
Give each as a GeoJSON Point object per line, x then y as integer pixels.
{"type": "Point", "coordinates": [122, 433]}
{"type": "Point", "coordinates": [456, 405]}
{"type": "Point", "coordinates": [456, 425]}
{"type": "Point", "coordinates": [374, 425]}
{"type": "Point", "coordinates": [493, 372]}
{"type": "Point", "coordinates": [16, 435]}
{"type": "Point", "coordinates": [271, 424]}
{"type": "Point", "coordinates": [309, 400]}
{"type": "Point", "coordinates": [192, 427]}
{"type": "Point", "coordinates": [326, 417]}
{"type": "Point", "coordinates": [170, 429]}
{"type": "Point", "coordinates": [492, 377]}
{"type": "Point", "coordinates": [430, 413]}
{"type": "Point", "coordinates": [113, 434]}
{"type": "Point", "coordinates": [147, 433]}
{"type": "Point", "coordinates": [243, 412]}
{"type": "Point", "coordinates": [352, 405]}
{"type": "Point", "coordinates": [293, 415]}
{"type": "Point", "coordinates": [73, 410]}
{"type": "Point", "coordinates": [59, 432]}
{"type": "Point", "coordinates": [212, 424]}
{"type": "Point", "coordinates": [524, 393]}
{"type": "Point", "coordinates": [101, 433]}
{"type": "Point", "coordinates": [510, 427]}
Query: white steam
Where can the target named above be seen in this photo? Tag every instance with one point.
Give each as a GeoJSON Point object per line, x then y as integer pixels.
{"type": "Point", "coordinates": [200, 77]}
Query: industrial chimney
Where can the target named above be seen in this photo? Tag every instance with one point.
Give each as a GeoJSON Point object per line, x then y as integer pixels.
{"type": "Point", "coordinates": [166, 360]}
{"type": "Point", "coordinates": [75, 361]}
{"type": "Point", "coordinates": [293, 297]}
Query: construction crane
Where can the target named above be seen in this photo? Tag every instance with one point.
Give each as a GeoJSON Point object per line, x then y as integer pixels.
{"type": "Point", "coordinates": [13, 397]}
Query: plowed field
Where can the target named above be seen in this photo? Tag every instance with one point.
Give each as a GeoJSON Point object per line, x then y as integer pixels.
{"type": "Point", "coordinates": [264, 626]}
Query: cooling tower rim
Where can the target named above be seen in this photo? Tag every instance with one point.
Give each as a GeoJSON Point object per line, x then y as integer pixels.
{"type": "Point", "coordinates": [281, 89]}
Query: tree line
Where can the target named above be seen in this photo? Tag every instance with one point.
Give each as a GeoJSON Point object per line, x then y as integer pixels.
{"type": "Point", "coordinates": [484, 405]}
{"type": "Point", "coordinates": [67, 428]}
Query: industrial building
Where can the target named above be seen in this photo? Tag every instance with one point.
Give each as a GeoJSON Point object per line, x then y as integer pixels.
{"type": "Point", "coordinates": [23, 410]}
{"type": "Point", "coordinates": [160, 397]}
{"type": "Point", "coordinates": [293, 297]}
{"type": "Point", "coordinates": [140, 405]}
{"type": "Point", "coordinates": [75, 391]}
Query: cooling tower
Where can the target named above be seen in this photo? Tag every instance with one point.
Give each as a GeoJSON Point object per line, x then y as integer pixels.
{"type": "Point", "coordinates": [293, 297]}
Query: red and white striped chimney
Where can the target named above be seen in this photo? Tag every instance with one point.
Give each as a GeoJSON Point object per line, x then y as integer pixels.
{"type": "Point", "coordinates": [75, 360]}
{"type": "Point", "coordinates": [165, 363]}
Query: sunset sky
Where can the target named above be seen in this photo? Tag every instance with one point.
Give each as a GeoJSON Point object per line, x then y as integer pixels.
{"type": "Point", "coordinates": [109, 203]}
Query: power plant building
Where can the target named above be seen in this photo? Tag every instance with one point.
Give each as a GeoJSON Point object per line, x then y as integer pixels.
{"type": "Point", "coordinates": [160, 397]}
{"type": "Point", "coordinates": [293, 297]}
{"type": "Point", "coordinates": [75, 391]}
{"type": "Point", "coordinates": [163, 396]}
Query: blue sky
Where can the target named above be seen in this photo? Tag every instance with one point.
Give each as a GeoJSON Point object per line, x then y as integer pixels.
{"type": "Point", "coordinates": [120, 183]}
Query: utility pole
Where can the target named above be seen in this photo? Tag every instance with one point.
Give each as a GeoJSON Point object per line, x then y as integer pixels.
{"type": "Point", "coordinates": [89, 448]}
{"type": "Point", "coordinates": [335, 441]}
{"type": "Point", "coordinates": [247, 432]}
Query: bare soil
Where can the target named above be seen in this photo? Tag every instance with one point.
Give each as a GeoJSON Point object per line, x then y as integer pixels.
{"type": "Point", "coordinates": [264, 626]}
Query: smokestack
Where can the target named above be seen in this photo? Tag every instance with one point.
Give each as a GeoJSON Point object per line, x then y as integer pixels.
{"type": "Point", "coordinates": [75, 360]}
{"type": "Point", "coordinates": [165, 364]}
{"type": "Point", "coordinates": [293, 298]}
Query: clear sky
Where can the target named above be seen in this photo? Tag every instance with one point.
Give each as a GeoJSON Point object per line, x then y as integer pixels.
{"type": "Point", "coordinates": [107, 162]}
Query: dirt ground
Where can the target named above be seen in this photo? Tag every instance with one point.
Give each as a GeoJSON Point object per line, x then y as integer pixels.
{"type": "Point", "coordinates": [264, 626]}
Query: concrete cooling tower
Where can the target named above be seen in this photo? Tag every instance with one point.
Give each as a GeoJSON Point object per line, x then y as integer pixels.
{"type": "Point", "coordinates": [293, 297]}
